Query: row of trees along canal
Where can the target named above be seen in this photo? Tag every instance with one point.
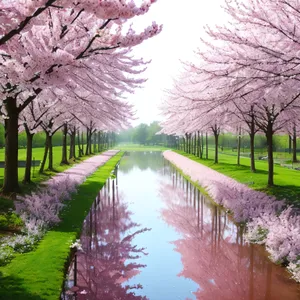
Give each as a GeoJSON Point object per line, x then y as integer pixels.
{"type": "Point", "coordinates": [66, 64]}
{"type": "Point", "coordinates": [144, 134]}
{"type": "Point", "coordinates": [244, 77]}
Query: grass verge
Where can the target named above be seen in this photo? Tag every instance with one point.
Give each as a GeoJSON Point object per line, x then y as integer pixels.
{"type": "Point", "coordinates": [39, 274]}
{"type": "Point", "coordinates": [37, 153]}
{"type": "Point", "coordinates": [287, 181]}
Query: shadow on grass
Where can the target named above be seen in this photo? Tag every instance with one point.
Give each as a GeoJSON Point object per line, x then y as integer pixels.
{"type": "Point", "coordinates": [74, 214]}
{"type": "Point", "coordinates": [290, 193]}
{"type": "Point", "coordinates": [6, 204]}
{"type": "Point", "coordinates": [223, 165]}
{"type": "Point", "coordinates": [11, 288]}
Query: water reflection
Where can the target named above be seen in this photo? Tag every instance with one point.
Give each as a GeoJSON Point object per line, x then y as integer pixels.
{"type": "Point", "coordinates": [142, 161]}
{"type": "Point", "coordinates": [212, 249]}
{"type": "Point", "coordinates": [108, 258]}
{"type": "Point", "coordinates": [195, 250]}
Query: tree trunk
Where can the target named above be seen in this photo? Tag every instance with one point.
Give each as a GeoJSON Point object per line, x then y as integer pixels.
{"type": "Point", "coordinates": [195, 144]}
{"type": "Point", "coordinates": [90, 141]}
{"type": "Point", "coordinates": [198, 144]}
{"type": "Point", "coordinates": [239, 147]}
{"type": "Point", "coordinates": [72, 154]}
{"type": "Point", "coordinates": [202, 146]}
{"type": "Point", "coordinates": [252, 136]}
{"type": "Point", "coordinates": [64, 160]}
{"type": "Point", "coordinates": [79, 144]}
{"type": "Point", "coordinates": [216, 134]}
{"type": "Point", "coordinates": [82, 141]}
{"type": "Point", "coordinates": [29, 138]}
{"type": "Point", "coordinates": [206, 144]}
{"type": "Point", "coordinates": [73, 137]}
{"type": "Point", "coordinates": [294, 145]}
{"type": "Point", "coordinates": [290, 144]}
{"type": "Point", "coordinates": [50, 162]}
{"type": "Point", "coordinates": [252, 153]}
{"type": "Point", "coordinates": [269, 135]}
{"type": "Point", "coordinates": [87, 142]}
{"type": "Point", "coordinates": [11, 183]}
{"type": "Point", "coordinates": [43, 163]}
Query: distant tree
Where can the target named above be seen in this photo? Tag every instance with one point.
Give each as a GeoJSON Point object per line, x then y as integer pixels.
{"type": "Point", "coordinates": [153, 137]}
{"type": "Point", "coordinates": [141, 134]}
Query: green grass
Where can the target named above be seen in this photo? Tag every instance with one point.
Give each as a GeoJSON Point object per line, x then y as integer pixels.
{"type": "Point", "coordinates": [137, 147]}
{"type": "Point", "coordinates": [39, 274]}
{"type": "Point", "coordinates": [278, 156]}
{"type": "Point", "coordinates": [37, 154]}
{"type": "Point", "coordinates": [6, 202]}
{"type": "Point", "coordinates": [287, 181]}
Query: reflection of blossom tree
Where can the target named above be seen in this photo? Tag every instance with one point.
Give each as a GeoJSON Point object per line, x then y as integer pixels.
{"type": "Point", "coordinates": [108, 257]}
{"type": "Point", "coordinates": [213, 254]}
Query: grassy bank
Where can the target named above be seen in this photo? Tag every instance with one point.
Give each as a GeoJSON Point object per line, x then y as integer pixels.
{"type": "Point", "coordinates": [137, 147]}
{"type": "Point", "coordinates": [9, 222]}
{"type": "Point", "coordinates": [39, 274]}
{"type": "Point", "coordinates": [36, 178]}
{"type": "Point", "coordinates": [287, 181]}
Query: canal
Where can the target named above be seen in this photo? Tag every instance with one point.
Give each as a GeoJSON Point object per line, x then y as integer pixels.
{"type": "Point", "coordinates": [152, 235]}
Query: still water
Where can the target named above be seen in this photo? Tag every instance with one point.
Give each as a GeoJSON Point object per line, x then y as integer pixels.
{"type": "Point", "coordinates": [152, 235]}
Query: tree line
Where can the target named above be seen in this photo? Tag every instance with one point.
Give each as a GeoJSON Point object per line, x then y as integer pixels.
{"type": "Point", "coordinates": [145, 134]}
{"type": "Point", "coordinates": [66, 66]}
{"type": "Point", "coordinates": [243, 78]}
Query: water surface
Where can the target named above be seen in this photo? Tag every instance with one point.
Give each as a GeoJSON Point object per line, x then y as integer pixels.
{"type": "Point", "coordinates": [152, 235]}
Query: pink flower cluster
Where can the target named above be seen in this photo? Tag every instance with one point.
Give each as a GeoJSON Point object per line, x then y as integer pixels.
{"type": "Point", "coordinates": [268, 222]}
{"type": "Point", "coordinates": [242, 201]}
{"type": "Point", "coordinates": [41, 209]}
{"type": "Point", "coordinates": [280, 232]}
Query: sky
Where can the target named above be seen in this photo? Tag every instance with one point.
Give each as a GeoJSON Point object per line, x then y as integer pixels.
{"type": "Point", "coordinates": [183, 23]}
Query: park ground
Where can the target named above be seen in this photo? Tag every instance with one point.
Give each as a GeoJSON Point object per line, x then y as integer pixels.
{"type": "Point", "coordinates": [39, 274]}
{"type": "Point", "coordinates": [54, 248]}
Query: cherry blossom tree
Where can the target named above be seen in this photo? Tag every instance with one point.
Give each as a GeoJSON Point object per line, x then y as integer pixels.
{"type": "Point", "coordinates": [58, 43]}
{"type": "Point", "coordinates": [260, 52]}
{"type": "Point", "coordinates": [31, 119]}
{"type": "Point", "coordinates": [251, 62]}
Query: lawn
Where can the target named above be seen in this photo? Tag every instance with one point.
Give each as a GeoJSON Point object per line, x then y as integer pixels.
{"type": "Point", "coordinates": [287, 181]}
{"type": "Point", "coordinates": [38, 153]}
{"type": "Point", "coordinates": [39, 274]}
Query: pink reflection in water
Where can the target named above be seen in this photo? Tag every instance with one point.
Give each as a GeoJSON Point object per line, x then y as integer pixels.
{"type": "Point", "coordinates": [107, 259]}
{"type": "Point", "coordinates": [213, 252]}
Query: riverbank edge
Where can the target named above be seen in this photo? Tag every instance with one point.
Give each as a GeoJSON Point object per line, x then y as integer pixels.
{"type": "Point", "coordinates": [294, 275]}
{"type": "Point", "coordinates": [40, 274]}
{"type": "Point", "coordinates": [38, 180]}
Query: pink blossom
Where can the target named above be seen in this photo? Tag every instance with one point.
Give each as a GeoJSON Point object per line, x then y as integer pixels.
{"type": "Point", "coordinates": [268, 222]}
{"type": "Point", "coordinates": [41, 209]}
